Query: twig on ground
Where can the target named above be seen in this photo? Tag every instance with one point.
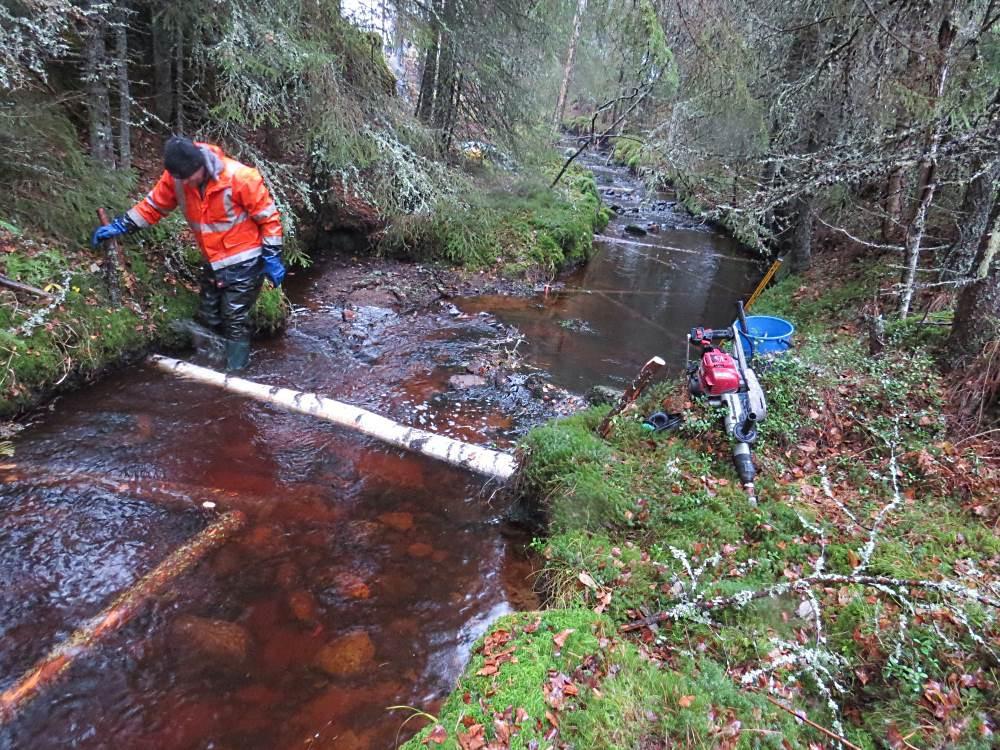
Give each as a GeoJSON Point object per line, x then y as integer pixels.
{"type": "Point", "coordinates": [803, 718]}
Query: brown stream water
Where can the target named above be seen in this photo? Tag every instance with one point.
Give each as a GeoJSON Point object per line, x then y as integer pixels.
{"type": "Point", "coordinates": [395, 562]}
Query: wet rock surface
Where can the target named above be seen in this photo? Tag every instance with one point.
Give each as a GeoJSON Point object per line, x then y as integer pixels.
{"type": "Point", "coordinates": [347, 655]}
{"type": "Point", "coordinates": [226, 643]}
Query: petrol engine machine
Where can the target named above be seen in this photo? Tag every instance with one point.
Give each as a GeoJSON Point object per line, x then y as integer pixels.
{"type": "Point", "coordinates": [728, 380]}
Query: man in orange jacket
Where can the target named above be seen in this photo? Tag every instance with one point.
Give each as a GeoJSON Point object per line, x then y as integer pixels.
{"type": "Point", "coordinates": [237, 227]}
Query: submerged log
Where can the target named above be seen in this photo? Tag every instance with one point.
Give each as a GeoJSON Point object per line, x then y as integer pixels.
{"type": "Point", "coordinates": [631, 393]}
{"type": "Point", "coordinates": [123, 609]}
{"type": "Point", "coordinates": [463, 455]}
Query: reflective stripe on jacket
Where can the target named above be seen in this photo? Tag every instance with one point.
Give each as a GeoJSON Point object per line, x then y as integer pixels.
{"type": "Point", "coordinates": [235, 220]}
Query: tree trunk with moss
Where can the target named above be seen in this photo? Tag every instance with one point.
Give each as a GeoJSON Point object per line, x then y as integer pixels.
{"type": "Point", "coordinates": [974, 215]}
{"type": "Point", "coordinates": [429, 76]}
{"type": "Point", "coordinates": [977, 313]}
{"type": "Point", "coordinates": [977, 319]}
{"type": "Point", "coordinates": [800, 247]}
{"type": "Point", "coordinates": [179, 78]}
{"type": "Point", "coordinates": [102, 146]}
{"type": "Point", "coordinates": [124, 95]}
{"type": "Point", "coordinates": [444, 85]}
{"type": "Point", "coordinates": [163, 80]}
{"type": "Point", "coordinates": [913, 243]}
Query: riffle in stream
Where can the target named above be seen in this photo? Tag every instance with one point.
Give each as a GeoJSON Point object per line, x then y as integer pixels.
{"type": "Point", "coordinates": [364, 574]}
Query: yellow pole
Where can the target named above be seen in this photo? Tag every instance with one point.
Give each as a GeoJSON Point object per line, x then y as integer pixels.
{"type": "Point", "coordinates": [763, 282]}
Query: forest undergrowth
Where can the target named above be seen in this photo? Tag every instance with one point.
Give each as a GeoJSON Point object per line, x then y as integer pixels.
{"type": "Point", "coordinates": [855, 606]}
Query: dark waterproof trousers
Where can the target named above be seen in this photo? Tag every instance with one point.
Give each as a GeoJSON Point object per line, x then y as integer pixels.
{"type": "Point", "coordinates": [227, 297]}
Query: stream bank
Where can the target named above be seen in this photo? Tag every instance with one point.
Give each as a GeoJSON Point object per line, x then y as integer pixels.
{"type": "Point", "coordinates": [678, 615]}
{"type": "Point", "coordinates": [364, 575]}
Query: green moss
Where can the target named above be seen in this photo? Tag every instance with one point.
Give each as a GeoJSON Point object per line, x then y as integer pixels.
{"type": "Point", "coordinates": [518, 683]}
{"type": "Point", "coordinates": [59, 187]}
{"type": "Point", "coordinates": [696, 703]}
{"type": "Point", "coordinates": [629, 153]}
{"type": "Point", "coordinates": [271, 312]}
{"type": "Point", "coordinates": [642, 515]}
{"type": "Point", "coordinates": [579, 125]}
{"type": "Point", "coordinates": [520, 225]}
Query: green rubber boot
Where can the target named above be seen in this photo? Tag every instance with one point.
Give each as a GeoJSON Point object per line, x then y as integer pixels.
{"type": "Point", "coordinates": [237, 355]}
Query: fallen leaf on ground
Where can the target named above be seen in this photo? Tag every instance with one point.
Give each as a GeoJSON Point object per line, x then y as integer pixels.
{"type": "Point", "coordinates": [473, 739]}
{"type": "Point", "coordinates": [560, 638]}
{"type": "Point", "coordinates": [438, 735]}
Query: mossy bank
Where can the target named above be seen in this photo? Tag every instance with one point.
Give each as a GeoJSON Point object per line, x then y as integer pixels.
{"type": "Point", "coordinates": [860, 592]}
{"type": "Point", "coordinates": [77, 333]}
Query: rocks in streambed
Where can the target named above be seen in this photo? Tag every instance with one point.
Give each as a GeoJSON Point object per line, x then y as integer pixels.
{"type": "Point", "coordinates": [336, 585]}
{"type": "Point", "coordinates": [465, 382]}
{"type": "Point", "coordinates": [422, 550]}
{"type": "Point", "coordinates": [304, 608]}
{"type": "Point", "coordinates": [287, 574]}
{"type": "Point", "coordinates": [225, 642]}
{"type": "Point", "coordinates": [635, 230]}
{"type": "Point", "coordinates": [347, 655]}
{"type": "Point", "coordinates": [397, 520]}
{"type": "Point", "coordinates": [351, 586]}
{"type": "Point", "coordinates": [603, 394]}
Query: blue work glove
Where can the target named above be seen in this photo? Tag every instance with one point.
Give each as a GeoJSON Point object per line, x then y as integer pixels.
{"type": "Point", "coordinates": [274, 269]}
{"type": "Point", "coordinates": [121, 225]}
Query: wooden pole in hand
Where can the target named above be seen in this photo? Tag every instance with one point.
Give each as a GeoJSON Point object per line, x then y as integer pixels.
{"type": "Point", "coordinates": [631, 393]}
{"type": "Point", "coordinates": [114, 269]}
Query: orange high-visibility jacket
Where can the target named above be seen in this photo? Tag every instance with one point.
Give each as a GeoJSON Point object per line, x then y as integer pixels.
{"type": "Point", "coordinates": [232, 222]}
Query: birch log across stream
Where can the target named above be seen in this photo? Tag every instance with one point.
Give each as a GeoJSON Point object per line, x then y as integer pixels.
{"type": "Point", "coordinates": [475, 458]}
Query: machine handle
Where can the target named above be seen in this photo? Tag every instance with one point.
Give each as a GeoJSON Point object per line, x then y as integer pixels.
{"type": "Point", "coordinates": [711, 334]}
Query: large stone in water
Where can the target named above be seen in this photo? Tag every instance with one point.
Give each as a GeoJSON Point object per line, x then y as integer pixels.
{"type": "Point", "coordinates": [464, 382]}
{"type": "Point", "coordinates": [398, 521]}
{"type": "Point", "coordinates": [224, 641]}
{"type": "Point", "coordinates": [351, 585]}
{"type": "Point", "coordinates": [603, 394]}
{"type": "Point", "coordinates": [348, 655]}
{"type": "Point", "coordinates": [303, 607]}
{"type": "Point", "coordinates": [420, 549]}
{"type": "Point", "coordinates": [635, 230]}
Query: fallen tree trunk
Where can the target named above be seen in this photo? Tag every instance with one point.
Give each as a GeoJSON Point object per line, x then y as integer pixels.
{"type": "Point", "coordinates": [464, 455]}
{"type": "Point", "coordinates": [176, 495]}
{"type": "Point", "coordinates": [123, 609]}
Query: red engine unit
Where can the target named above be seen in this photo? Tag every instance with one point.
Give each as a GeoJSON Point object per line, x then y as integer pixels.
{"type": "Point", "coordinates": [718, 373]}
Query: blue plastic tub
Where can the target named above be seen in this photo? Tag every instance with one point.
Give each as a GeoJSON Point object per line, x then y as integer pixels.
{"type": "Point", "coordinates": [767, 335]}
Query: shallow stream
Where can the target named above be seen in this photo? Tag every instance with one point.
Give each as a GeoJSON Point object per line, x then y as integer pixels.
{"type": "Point", "coordinates": [364, 574]}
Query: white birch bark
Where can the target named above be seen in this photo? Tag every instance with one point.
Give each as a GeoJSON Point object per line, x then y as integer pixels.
{"type": "Point", "coordinates": [464, 455]}
{"type": "Point", "coordinates": [581, 8]}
